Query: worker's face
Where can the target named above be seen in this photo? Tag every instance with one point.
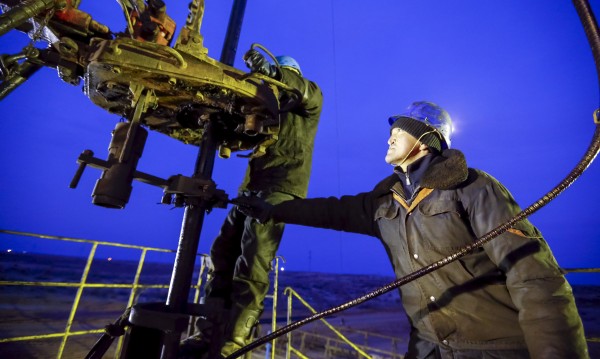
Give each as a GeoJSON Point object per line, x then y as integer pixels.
{"type": "Point", "coordinates": [402, 146]}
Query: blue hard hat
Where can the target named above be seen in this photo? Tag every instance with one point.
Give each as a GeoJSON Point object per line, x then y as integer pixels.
{"type": "Point", "coordinates": [287, 61]}
{"type": "Point", "coordinates": [429, 117]}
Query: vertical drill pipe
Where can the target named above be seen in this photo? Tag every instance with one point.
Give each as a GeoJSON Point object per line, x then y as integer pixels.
{"type": "Point", "coordinates": [23, 12]}
{"type": "Point", "coordinates": [193, 218]}
{"type": "Point", "coordinates": [233, 32]}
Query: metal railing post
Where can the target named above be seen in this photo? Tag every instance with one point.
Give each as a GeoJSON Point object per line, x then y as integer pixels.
{"type": "Point", "coordinates": [82, 282]}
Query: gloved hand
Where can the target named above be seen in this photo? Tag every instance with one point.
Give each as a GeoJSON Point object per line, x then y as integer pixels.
{"type": "Point", "coordinates": [256, 62]}
{"type": "Point", "coordinates": [255, 207]}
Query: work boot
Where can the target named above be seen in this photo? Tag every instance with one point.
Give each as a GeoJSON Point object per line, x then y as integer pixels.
{"type": "Point", "coordinates": [208, 337]}
{"type": "Point", "coordinates": [239, 331]}
{"type": "Point", "coordinates": [198, 345]}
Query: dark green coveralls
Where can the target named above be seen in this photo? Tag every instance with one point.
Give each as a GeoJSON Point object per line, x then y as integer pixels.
{"type": "Point", "coordinates": [244, 249]}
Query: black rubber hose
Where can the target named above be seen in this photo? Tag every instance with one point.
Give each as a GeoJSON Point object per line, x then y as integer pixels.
{"type": "Point", "coordinates": [590, 26]}
{"type": "Point", "coordinates": [591, 29]}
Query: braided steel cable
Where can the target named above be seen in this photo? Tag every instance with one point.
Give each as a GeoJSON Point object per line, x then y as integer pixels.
{"type": "Point", "coordinates": [591, 29]}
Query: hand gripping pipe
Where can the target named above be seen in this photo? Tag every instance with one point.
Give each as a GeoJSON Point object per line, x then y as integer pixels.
{"type": "Point", "coordinates": [591, 29]}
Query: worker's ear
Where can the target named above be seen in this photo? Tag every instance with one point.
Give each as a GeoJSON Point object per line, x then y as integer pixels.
{"type": "Point", "coordinates": [423, 147]}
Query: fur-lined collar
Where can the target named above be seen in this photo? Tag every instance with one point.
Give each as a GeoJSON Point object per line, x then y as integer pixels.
{"type": "Point", "coordinates": [446, 171]}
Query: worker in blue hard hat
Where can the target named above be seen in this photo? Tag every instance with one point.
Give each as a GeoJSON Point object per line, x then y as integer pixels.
{"type": "Point", "coordinates": [289, 62]}
{"type": "Point", "coordinates": [506, 299]}
{"type": "Point", "coordinates": [244, 249]}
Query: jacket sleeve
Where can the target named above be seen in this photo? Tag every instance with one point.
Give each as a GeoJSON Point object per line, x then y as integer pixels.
{"type": "Point", "coordinates": [348, 213]}
{"type": "Point", "coordinates": [547, 312]}
{"type": "Point", "coordinates": [311, 101]}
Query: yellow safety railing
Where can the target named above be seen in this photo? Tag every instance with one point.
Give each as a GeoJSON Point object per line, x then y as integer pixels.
{"type": "Point", "coordinates": [274, 297]}
{"type": "Point", "coordinates": [135, 286]}
{"type": "Point", "coordinates": [334, 347]}
{"type": "Point", "coordinates": [83, 284]}
{"type": "Point", "coordinates": [291, 293]}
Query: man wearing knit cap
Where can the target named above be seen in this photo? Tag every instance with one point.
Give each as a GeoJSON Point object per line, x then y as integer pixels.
{"type": "Point", "coordinates": [506, 299]}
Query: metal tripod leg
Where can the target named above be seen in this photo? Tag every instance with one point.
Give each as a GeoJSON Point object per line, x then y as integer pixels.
{"type": "Point", "coordinates": [111, 332]}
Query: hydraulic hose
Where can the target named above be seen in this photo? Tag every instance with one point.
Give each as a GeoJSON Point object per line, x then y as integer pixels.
{"type": "Point", "coordinates": [590, 26]}
{"type": "Point", "coordinates": [257, 45]}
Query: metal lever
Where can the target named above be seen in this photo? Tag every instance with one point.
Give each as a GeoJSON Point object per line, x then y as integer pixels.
{"type": "Point", "coordinates": [80, 169]}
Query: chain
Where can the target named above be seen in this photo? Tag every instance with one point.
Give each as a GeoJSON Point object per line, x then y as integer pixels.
{"type": "Point", "coordinates": [30, 50]}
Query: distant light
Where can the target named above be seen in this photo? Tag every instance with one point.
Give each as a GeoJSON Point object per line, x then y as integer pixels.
{"type": "Point", "coordinates": [9, 250]}
{"type": "Point", "coordinates": [109, 259]}
{"type": "Point", "coordinates": [282, 269]}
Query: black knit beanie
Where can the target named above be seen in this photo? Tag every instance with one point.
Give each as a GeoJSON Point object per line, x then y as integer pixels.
{"type": "Point", "coordinates": [418, 129]}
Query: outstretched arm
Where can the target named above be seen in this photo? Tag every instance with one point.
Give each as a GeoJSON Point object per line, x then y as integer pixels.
{"type": "Point", "coordinates": [348, 213]}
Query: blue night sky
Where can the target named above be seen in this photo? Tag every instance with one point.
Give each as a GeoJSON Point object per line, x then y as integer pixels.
{"type": "Point", "coordinates": [517, 77]}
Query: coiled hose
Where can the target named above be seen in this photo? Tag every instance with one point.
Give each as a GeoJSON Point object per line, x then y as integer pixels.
{"type": "Point", "coordinates": [590, 26]}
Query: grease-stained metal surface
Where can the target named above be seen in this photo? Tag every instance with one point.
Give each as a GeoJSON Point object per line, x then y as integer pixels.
{"type": "Point", "coordinates": [183, 88]}
{"type": "Point", "coordinates": [186, 91]}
